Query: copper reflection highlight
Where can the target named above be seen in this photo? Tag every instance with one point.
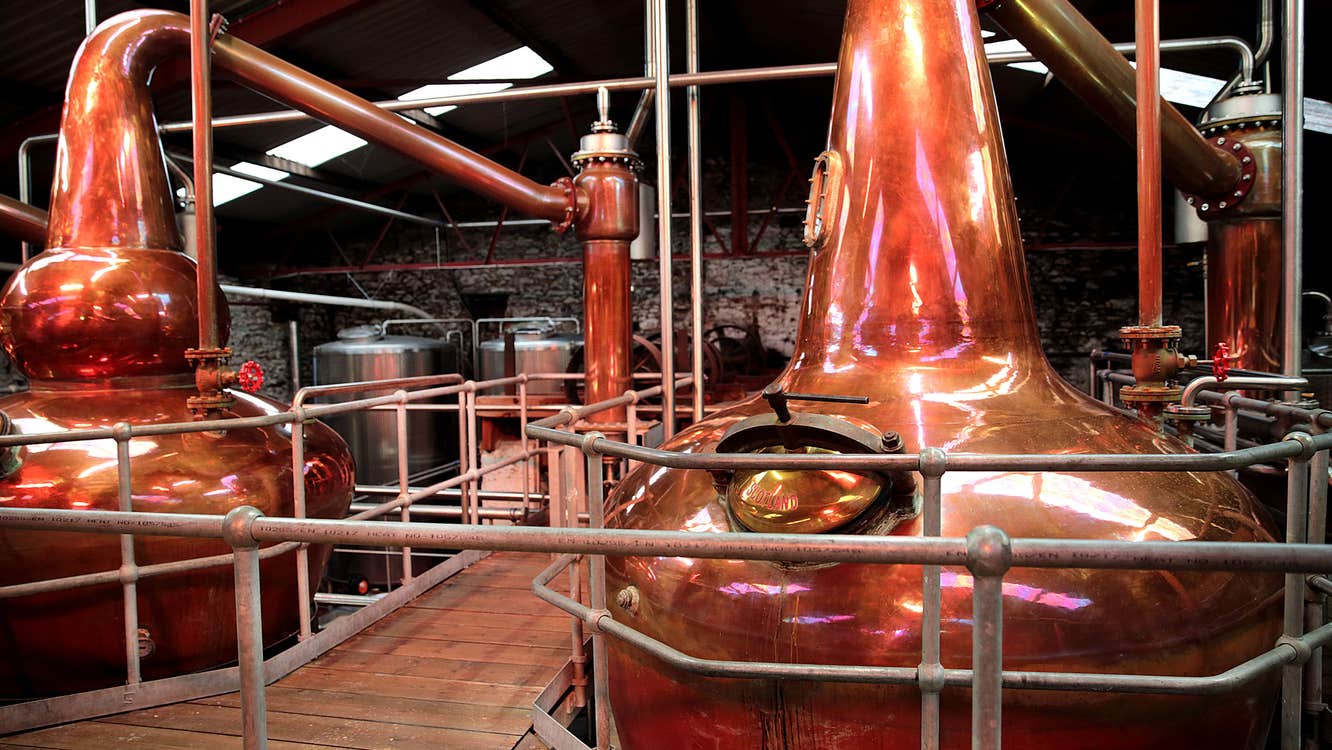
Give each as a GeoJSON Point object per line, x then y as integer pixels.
{"type": "Point", "coordinates": [919, 301]}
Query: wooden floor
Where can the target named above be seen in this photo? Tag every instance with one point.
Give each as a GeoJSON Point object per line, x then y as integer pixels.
{"type": "Point", "coordinates": [458, 669]}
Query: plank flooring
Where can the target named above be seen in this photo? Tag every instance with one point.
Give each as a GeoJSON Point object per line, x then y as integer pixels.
{"type": "Point", "coordinates": [458, 668]}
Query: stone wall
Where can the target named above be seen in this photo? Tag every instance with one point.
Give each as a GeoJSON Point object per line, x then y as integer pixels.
{"type": "Point", "coordinates": [1082, 296]}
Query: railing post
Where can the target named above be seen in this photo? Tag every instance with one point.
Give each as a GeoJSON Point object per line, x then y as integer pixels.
{"type": "Point", "coordinates": [596, 505]}
{"type": "Point", "coordinates": [474, 446]}
{"type": "Point", "coordinates": [129, 569]}
{"type": "Point", "coordinates": [237, 531]}
{"type": "Point", "coordinates": [1297, 520]}
{"type": "Point", "coordinates": [303, 596]}
{"type": "Point", "coordinates": [404, 487]}
{"type": "Point", "coordinates": [1314, 707]}
{"type": "Point", "coordinates": [988, 557]}
{"type": "Point", "coordinates": [522, 437]}
{"type": "Point", "coordinates": [931, 673]}
{"type": "Point", "coordinates": [464, 455]}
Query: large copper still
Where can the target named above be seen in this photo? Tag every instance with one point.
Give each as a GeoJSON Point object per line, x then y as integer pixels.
{"type": "Point", "coordinates": [100, 323]}
{"type": "Point", "coordinates": [917, 300]}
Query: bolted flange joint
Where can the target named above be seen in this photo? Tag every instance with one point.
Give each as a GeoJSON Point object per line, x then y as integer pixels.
{"type": "Point", "coordinates": [238, 527]}
{"type": "Point", "coordinates": [989, 551]}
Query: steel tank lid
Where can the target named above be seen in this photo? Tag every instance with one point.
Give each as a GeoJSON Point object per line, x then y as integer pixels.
{"type": "Point", "coordinates": [534, 338]}
{"type": "Point", "coordinates": [370, 339]}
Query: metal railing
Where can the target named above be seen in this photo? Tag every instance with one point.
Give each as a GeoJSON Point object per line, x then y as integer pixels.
{"type": "Point", "coordinates": [987, 552]}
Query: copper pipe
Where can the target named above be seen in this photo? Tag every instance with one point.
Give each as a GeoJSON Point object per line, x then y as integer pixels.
{"type": "Point", "coordinates": [1083, 60]}
{"type": "Point", "coordinates": [1147, 27]}
{"type": "Point", "coordinates": [201, 108]}
{"type": "Point", "coordinates": [320, 99]}
{"type": "Point", "coordinates": [104, 197]}
{"type": "Point", "coordinates": [20, 220]}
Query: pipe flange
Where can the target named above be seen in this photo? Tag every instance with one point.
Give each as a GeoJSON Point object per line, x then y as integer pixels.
{"type": "Point", "coordinates": [1142, 333]}
{"type": "Point", "coordinates": [570, 204]}
{"type": "Point", "coordinates": [1151, 394]}
{"type": "Point", "coordinates": [1181, 413]}
{"type": "Point", "coordinates": [629, 159]}
{"type": "Point", "coordinates": [1218, 205]}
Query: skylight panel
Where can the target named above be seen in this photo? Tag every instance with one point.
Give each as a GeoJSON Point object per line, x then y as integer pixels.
{"type": "Point", "coordinates": [1317, 115]}
{"type": "Point", "coordinates": [520, 64]}
{"type": "Point", "coordinates": [227, 188]}
{"type": "Point", "coordinates": [436, 90]}
{"type": "Point", "coordinates": [313, 149]}
{"type": "Point", "coordinates": [260, 171]}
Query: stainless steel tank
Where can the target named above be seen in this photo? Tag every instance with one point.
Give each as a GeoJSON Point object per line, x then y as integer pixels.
{"type": "Point", "coordinates": [537, 348]}
{"type": "Point", "coordinates": [366, 353]}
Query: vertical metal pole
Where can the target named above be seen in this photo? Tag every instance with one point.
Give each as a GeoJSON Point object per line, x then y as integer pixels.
{"type": "Point", "coordinates": [294, 343]}
{"type": "Point", "coordinates": [303, 597]}
{"type": "Point", "coordinates": [1292, 675]}
{"type": "Point", "coordinates": [695, 206]}
{"type": "Point", "coordinates": [988, 557]}
{"type": "Point", "coordinates": [1292, 183]}
{"type": "Point", "coordinates": [1091, 379]}
{"type": "Point", "coordinates": [569, 519]}
{"type": "Point", "coordinates": [600, 664]}
{"type": "Point", "coordinates": [404, 488]}
{"type": "Point", "coordinates": [129, 570]}
{"type": "Point", "coordinates": [931, 670]}
{"type": "Point", "coordinates": [25, 185]}
{"type": "Point", "coordinates": [202, 109]}
{"type": "Point", "coordinates": [1314, 708]}
{"type": "Point", "coordinates": [631, 415]}
{"type": "Point", "coordinates": [527, 458]}
{"type": "Point", "coordinates": [89, 16]}
{"type": "Point", "coordinates": [662, 54]}
{"type": "Point", "coordinates": [464, 454]}
{"type": "Point", "coordinates": [249, 627]}
{"type": "Point", "coordinates": [1148, 39]}
{"type": "Point", "coordinates": [474, 445]}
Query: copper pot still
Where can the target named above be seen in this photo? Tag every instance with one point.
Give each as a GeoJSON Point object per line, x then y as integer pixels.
{"type": "Point", "coordinates": [100, 323]}
{"type": "Point", "coordinates": [917, 299]}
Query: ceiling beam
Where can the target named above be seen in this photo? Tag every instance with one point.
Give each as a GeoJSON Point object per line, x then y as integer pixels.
{"type": "Point", "coordinates": [564, 65]}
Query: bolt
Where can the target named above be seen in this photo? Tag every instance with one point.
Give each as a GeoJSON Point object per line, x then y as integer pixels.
{"type": "Point", "coordinates": [1222, 204]}
{"type": "Point", "coordinates": [1246, 160]}
{"type": "Point", "coordinates": [1205, 206]}
{"type": "Point", "coordinates": [1191, 200]}
{"type": "Point", "coordinates": [1239, 193]}
{"type": "Point", "coordinates": [1248, 177]}
{"type": "Point", "coordinates": [1221, 141]}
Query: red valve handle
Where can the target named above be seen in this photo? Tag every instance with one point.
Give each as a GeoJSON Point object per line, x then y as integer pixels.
{"type": "Point", "coordinates": [250, 377]}
{"type": "Point", "coordinates": [1221, 361]}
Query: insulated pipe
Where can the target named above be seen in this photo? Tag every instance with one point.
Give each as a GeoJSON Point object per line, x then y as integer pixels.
{"type": "Point", "coordinates": [1083, 60]}
{"type": "Point", "coordinates": [1147, 27]}
{"type": "Point", "coordinates": [324, 299]}
{"type": "Point", "coordinates": [20, 220]}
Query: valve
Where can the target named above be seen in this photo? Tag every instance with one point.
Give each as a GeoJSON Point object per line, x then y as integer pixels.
{"type": "Point", "coordinates": [250, 377]}
{"type": "Point", "coordinates": [1221, 361]}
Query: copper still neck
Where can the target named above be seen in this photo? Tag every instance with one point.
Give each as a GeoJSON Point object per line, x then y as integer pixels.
{"type": "Point", "coordinates": [110, 187]}
{"type": "Point", "coordinates": [917, 258]}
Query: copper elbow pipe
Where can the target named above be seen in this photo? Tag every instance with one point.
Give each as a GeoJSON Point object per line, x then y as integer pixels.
{"type": "Point", "coordinates": [1059, 36]}
{"type": "Point", "coordinates": [110, 187]}
{"type": "Point", "coordinates": [20, 220]}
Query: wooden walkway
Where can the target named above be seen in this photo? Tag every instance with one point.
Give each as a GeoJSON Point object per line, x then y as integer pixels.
{"type": "Point", "coordinates": [458, 668]}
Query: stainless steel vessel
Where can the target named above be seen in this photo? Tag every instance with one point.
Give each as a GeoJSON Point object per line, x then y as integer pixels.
{"type": "Point", "coordinates": [536, 349]}
{"type": "Point", "coordinates": [366, 353]}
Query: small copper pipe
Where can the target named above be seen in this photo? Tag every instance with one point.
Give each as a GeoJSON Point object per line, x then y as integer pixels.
{"type": "Point", "coordinates": [201, 101]}
{"type": "Point", "coordinates": [20, 220]}
{"type": "Point", "coordinates": [1148, 40]}
{"type": "Point", "coordinates": [1083, 60]}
